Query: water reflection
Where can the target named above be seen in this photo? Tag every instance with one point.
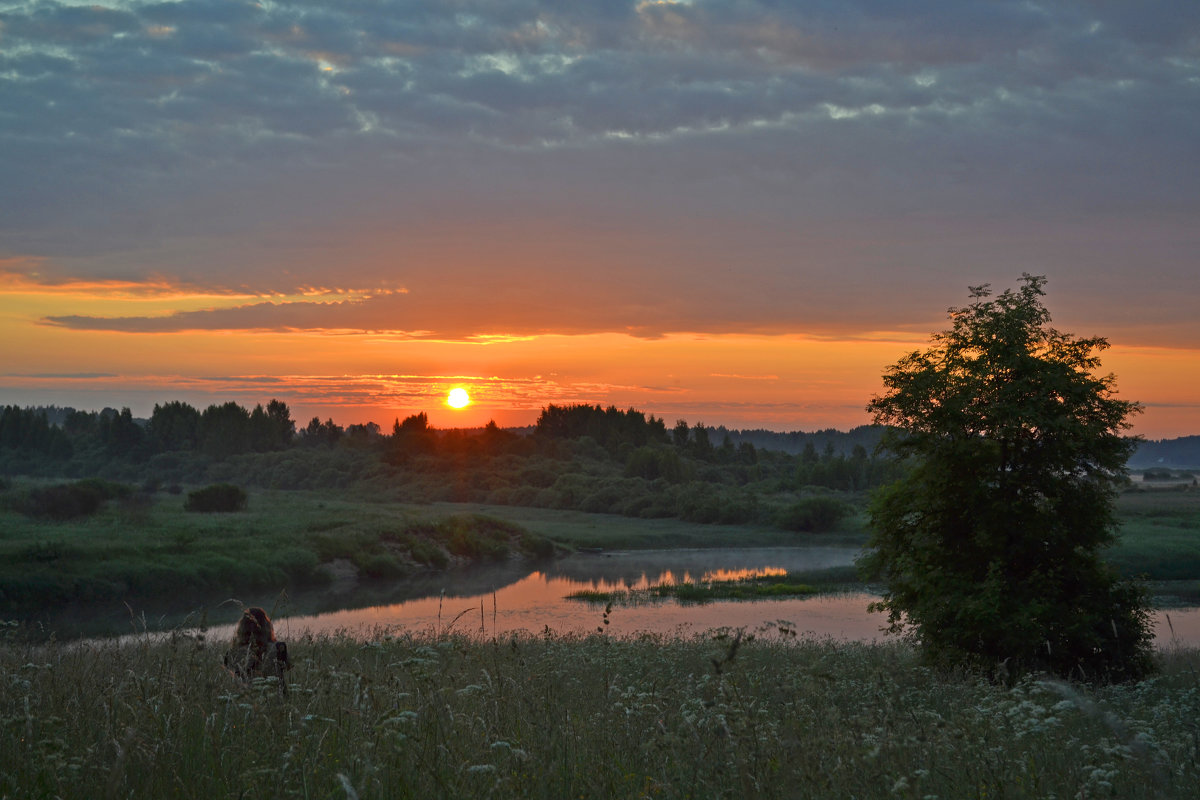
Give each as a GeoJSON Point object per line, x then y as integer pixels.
{"type": "Point", "coordinates": [511, 597]}
{"type": "Point", "coordinates": [508, 598]}
{"type": "Point", "coordinates": [632, 568]}
{"type": "Point", "coordinates": [537, 602]}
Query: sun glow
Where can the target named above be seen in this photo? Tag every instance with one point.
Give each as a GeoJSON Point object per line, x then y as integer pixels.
{"type": "Point", "coordinates": [458, 398]}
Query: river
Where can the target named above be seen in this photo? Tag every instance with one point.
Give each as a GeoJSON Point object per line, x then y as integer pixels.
{"type": "Point", "coordinates": [500, 600]}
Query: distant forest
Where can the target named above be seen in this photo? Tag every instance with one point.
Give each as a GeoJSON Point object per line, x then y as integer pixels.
{"type": "Point", "coordinates": [1181, 453]}
{"type": "Point", "coordinates": [178, 426]}
{"type": "Point", "coordinates": [580, 457]}
{"type": "Point", "coordinates": [219, 431]}
{"type": "Point", "coordinates": [264, 447]}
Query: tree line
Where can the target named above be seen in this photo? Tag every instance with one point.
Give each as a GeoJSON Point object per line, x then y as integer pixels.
{"type": "Point", "coordinates": [34, 440]}
{"type": "Point", "coordinates": [219, 431]}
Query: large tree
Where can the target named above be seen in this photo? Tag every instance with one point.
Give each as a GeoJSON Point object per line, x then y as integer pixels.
{"type": "Point", "coordinates": [990, 547]}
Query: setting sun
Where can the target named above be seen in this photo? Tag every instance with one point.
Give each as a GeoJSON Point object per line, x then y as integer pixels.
{"type": "Point", "coordinates": [458, 398]}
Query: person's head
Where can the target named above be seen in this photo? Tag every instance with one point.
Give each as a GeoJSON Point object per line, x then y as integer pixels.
{"type": "Point", "coordinates": [254, 628]}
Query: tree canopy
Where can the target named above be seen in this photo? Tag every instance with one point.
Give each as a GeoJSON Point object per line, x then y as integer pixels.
{"type": "Point", "coordinates": [990, 545]}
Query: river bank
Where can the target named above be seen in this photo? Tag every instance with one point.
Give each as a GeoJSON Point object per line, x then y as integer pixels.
{"type": "Point", "coordinates": [306, 553]}
{"type": "Point", "coordinates": [152, 549]}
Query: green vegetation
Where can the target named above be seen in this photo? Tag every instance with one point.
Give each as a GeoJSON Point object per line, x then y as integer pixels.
{"type": "Point", "coordinates": [66, 501]}
{"type": "Point", "coordinates": [578, 457]}
{"type": "Point", "coordinates": [603, 464]}
{"type": "Point", "coordinates": [580, 530]}
{"type": "Point", "coordinates": [140, 546]}
{"type": "Point", "coordinates": [1160, 541]}
{"type": "Point", "coordinates": [815, 514]}
{"type": "Point", "coordinates": [220, 497]}
{"type": "Point", "coordinates": [143, 545]}
{"type": "Point", "coordinates": [424, 716]}
{"type": "Point", "coordinates": [990, 547]}
{"type": "Point", "coordinates": [756, 587]}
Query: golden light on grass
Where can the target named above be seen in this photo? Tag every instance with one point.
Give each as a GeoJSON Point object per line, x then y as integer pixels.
{"type": "Point", "coordinates": [458, 398]}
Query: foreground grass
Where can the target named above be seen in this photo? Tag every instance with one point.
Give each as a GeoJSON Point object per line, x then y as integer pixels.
{"type": "Point", "coordinates": [419, 716]}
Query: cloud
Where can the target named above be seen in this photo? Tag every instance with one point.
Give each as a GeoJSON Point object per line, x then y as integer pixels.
{"type": "Point", "coordinates": [83, 376]}
{"type": "Point", "coordinates": [407, 318]}
{"type": "Point", "coordinates": [146, 88]}
{"type": "Point", "coordinates": [747, 165]}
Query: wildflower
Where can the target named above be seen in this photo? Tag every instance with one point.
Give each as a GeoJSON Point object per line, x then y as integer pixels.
{"type": "Point", "coordinates": [479, 769]}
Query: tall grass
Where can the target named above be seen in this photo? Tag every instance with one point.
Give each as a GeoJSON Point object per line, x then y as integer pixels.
{"type": "Point", "coordinates": [422, 715]}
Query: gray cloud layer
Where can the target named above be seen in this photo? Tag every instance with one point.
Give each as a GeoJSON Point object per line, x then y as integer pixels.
{"type": "Point", "coordinates": [722, 165]}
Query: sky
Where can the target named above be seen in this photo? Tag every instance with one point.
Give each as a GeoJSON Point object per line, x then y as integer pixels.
{"type": "Point", "coordinates": [725, 211]}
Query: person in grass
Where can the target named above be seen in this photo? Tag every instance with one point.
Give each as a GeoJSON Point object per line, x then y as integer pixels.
{"type": "Point", "coordinates": [255, 652]}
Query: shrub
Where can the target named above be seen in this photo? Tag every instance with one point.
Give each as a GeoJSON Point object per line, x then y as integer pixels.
{"type": "Point", "coordinates": [537, 546]}
{"type": "Point", "coordinates": [570, 490]}
{"type": "Point", "coordinates": [379, 565]}
{"type": "Point", "coordinates": [539, 476]}
{"type": "Point", "coordinates": [479, 536]}
{"type": "Point", "coordinates": [423, 551]}
{"type": "Point", "coordinates": [220, 497]}
{"type": "Point", "coordinates": [606, 499]}
{"type": "Point", "coordinates": [71, 500]}
{"type": "Point", "coordinates": [655, 462]}
{"type": "Point", "coordinates": [814, 514]}
{"type": "Point", "coordinates": [62, 502]}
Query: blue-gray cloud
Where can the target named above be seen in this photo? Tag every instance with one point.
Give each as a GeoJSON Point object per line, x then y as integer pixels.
{"type": "Point", "coordinates": [807, 151]}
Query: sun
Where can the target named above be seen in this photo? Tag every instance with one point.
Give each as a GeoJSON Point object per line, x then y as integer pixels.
{"type": "Point", "coordinates": [458, 398]}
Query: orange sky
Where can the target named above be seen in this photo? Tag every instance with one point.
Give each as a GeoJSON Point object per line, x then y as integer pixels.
{"type": "Point", "coordinates": [779, 382]}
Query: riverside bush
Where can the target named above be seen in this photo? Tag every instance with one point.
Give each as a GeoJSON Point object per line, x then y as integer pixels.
{"type": "Point", "coordinates": [66, 501]}
{"type": "Point", "coordinates": [814, 514]}
{"type": "Point", "coordinates": [218, 498]}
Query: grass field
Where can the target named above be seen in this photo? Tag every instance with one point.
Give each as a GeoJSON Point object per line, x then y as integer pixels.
{"type": "Point", "coordinates": [1160, 539]}
{"type": "Point", "coordinates": [580, 529]}
{"type": "Point", "coordinates": [152, 548]}
{"type": "Point", "coordinates": [580, 717]}
{"type": "Point", "coordinates": [1160, 533]}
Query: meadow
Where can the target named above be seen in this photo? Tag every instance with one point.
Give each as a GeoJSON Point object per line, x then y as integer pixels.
{"type": "Point", "coordinates": [146, 546]}
{"type": "Point", "coordinates": [1160, 538]}
{"type": "Point", "coordinates": [428, 715]}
